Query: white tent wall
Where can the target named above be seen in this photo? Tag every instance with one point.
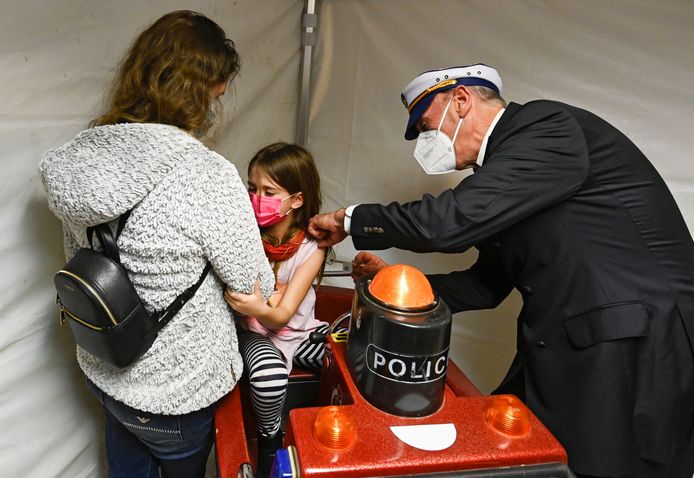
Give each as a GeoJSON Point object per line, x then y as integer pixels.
{"type": "Point", "coordinates": [57, 60]}
{"type": "Point", "coordinates": [629, 61]}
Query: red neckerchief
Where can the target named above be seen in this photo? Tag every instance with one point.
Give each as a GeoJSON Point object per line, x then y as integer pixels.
{"type": "Point", "coordinates": [286, 250]}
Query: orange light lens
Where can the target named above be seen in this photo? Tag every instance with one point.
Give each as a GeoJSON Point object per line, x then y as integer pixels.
{"type": "Point", "coordinates": [402, 286]}
{"type": "Point", "coordinates": [508, 415]}
{"type": "Point", "coordinates": [335, 428]}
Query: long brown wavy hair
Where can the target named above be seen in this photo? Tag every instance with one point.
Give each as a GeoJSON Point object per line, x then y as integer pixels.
{"type": "Point", "coordinates": [169, 72]}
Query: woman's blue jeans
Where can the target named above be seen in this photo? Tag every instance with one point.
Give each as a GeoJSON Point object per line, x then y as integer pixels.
{"type": "Point", "coordinates": [139, 443]}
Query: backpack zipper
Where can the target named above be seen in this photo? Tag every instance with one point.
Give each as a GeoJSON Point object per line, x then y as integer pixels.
{"type": "Point", "coordinates": [64, 311]}
{"type": "Point", "coordinates": [91, 290]}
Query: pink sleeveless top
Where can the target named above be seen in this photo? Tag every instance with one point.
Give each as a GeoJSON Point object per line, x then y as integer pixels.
{"type": "Point", "coordinates": [288, 338]}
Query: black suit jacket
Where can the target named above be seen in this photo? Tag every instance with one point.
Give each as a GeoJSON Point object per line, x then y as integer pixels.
{"type": "Point", "coordinates": [567, 210]}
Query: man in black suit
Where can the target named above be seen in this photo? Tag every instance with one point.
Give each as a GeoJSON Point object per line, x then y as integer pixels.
{"type": "Point", "coordinates": [566, 209]}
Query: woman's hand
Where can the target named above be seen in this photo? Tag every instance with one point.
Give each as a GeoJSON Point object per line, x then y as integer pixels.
{"type": "Point", "coordinates": [247, 304]}
{"type": "Point", "coordinates": [366, 263]}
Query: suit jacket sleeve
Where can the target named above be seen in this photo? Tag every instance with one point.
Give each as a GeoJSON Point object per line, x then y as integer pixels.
{"type": "Point", "coordinates": [537, 157]}
{"type": "Point", "coordinates": [482, 286]}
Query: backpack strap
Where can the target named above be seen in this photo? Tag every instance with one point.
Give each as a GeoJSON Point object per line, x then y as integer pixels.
{"type": "Point", "coordinates": [103, 233]}
{"type": "Point", "coordinates": [121, 222]}
{"type": "Point", "coordinates": [167, 314]}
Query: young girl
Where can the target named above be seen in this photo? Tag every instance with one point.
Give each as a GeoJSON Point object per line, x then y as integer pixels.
{"type": "Point", "coordinates": [284, 188]}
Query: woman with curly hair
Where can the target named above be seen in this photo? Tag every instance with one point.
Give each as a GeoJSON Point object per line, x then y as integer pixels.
{"type": "Point", "coordinates": [187, 206]}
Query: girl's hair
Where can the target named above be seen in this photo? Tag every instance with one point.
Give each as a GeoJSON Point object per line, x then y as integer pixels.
{"type": "Point", "coordinates": [292, 167]}
{"type": "Point", "coordinates": [168, 74]}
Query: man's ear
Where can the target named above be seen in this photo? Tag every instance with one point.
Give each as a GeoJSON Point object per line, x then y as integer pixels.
{"type": "Point", "coordinates": [297, 200]}
{"type": "Point", "coordinates": [463, 99]}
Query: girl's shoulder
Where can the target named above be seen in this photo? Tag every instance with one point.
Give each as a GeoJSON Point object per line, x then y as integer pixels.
{"type": "Point", "coordinates": [309, 239]}
{"type": "Point", "coordinates": [308, 246]}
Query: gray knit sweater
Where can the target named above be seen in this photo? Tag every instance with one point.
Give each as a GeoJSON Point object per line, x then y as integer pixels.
{"type": "Point", "coordinates": [190, 207]}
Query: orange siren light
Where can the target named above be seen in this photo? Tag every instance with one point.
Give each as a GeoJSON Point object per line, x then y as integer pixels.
{"type": "Point", "coordinates": [402, 286]}
{"type": "Point", "coordinates": [508, 415]}
{"type": "Point", "coordinates": [335, 428]}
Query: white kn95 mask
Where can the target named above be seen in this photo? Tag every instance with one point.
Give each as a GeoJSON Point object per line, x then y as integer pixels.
{"type": "Point", "coordinates": [434, 150]}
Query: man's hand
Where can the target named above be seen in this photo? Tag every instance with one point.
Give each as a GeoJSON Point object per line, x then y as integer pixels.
{"type": "Point", "coordinates": [366, 263]}
{"type": "Point", "coordinates": [328, 228]}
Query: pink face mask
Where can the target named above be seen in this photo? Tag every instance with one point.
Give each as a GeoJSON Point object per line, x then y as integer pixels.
{"type": "Point", "coordinates": [267, 209]}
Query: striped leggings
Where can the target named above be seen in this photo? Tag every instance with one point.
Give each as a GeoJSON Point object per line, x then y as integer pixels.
{"type": "Point", "coordinates": [268, 375]}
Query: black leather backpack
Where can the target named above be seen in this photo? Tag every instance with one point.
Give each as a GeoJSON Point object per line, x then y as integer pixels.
{"type": "Point", "coordinates": [105, 312]}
